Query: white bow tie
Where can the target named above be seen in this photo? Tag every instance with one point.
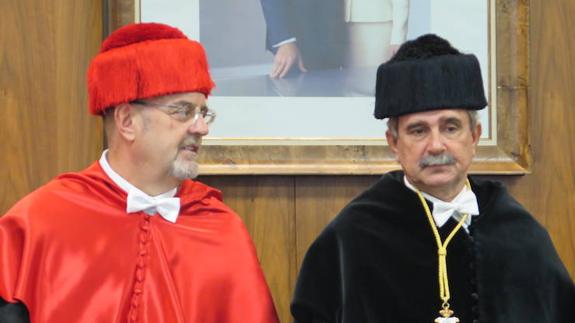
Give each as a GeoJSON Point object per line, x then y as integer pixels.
{"type": "Point", "coordinates": [168, 207]}
{"type": "Point", "coordinates": [464, 203]}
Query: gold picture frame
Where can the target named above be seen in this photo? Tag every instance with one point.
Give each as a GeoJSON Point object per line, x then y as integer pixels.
{"type": "Point", "coordinates": [510, 155]}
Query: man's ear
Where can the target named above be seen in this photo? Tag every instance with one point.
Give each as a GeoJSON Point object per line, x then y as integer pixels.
{"type": "Point", "coordinates": [391, 141]}
{"type": "Point", "coordinates": [124, 121]}
{"type": "Point", "coordinates": [476, 133]}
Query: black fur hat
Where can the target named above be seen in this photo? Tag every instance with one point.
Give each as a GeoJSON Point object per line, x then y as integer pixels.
{"type": "Point", "coordinates": [428, 74]}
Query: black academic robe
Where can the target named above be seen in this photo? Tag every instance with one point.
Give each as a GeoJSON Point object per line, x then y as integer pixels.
{"type": "Point", "coordinates": [13, 312]}
{"type": "Point", "coordinates": [377, 262]}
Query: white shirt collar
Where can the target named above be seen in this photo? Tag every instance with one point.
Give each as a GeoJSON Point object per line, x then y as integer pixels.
{"type": "Point", "coordinates": [441, 219]}
{"type": "Point", "coordinates": [127, 186]}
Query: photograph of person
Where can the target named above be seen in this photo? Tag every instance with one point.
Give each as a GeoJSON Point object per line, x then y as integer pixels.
{"type": "Point", "coordinates": [313, 58]}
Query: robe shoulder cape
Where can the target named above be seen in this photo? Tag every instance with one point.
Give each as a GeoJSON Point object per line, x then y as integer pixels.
{"type": "Point", "coordinates": [377, 262]}
{"type": "Point", "coordinates": [70, 253]}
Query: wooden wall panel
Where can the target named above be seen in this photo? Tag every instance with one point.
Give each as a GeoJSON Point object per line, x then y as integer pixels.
{"type": "Point", "coordinates": [549, 192]}
{"type": "Point", "coordinates": [266, 205]}
{"type": "Point", "coordinates": [45, 128]}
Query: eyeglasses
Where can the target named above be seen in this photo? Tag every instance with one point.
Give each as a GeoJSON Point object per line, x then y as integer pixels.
{"type": "Point", "coordinates": [183, 112]}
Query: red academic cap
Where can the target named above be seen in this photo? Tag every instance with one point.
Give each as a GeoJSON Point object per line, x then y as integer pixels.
{"type": "Point", "coordinates": [145, 60]}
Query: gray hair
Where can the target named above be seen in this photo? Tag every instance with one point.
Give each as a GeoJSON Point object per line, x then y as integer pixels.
{"type": "Point", "coordinates": [392, 122]}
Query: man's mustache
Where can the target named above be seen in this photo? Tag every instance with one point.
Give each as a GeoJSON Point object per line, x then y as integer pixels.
{"type": "Point", "coordinates": [190, 141]}
{"type": "Point", "coordinates": [437, 160]}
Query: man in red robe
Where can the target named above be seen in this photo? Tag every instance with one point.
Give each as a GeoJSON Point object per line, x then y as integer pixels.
{"type": "Point", "coordinates": [132, 238]}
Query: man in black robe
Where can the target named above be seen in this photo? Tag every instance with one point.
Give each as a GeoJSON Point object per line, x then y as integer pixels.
{"type": "Point", "coordinates": [388, 256]}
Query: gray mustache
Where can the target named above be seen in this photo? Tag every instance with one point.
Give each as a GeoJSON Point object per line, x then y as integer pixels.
{"type": "Point", "coordinates": [190, 141]}
{"type": "Point", "coordinates": [434, 160]}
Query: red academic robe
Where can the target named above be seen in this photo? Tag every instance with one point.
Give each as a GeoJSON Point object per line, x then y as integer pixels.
{"type": "Point", "coordinates": [71, 253]}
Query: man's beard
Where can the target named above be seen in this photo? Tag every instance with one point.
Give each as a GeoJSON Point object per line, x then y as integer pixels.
{"type": "Point", "coordinates": [184, 167]}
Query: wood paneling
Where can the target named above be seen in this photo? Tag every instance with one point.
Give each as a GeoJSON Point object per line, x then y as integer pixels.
{"type": "Point", "coordinates": [549, 192]}
{"type": "Point", "coordinates": [266, 204]}
{"type": "Point", "coordinates": [45, 128]}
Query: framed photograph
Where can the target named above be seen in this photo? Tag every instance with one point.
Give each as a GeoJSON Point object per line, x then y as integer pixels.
{"type": "Point", "coordinates": [314, 114]}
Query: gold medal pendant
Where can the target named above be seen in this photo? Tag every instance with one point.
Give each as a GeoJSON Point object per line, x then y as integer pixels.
{"type": "Point", "coordinates": [446, 317]}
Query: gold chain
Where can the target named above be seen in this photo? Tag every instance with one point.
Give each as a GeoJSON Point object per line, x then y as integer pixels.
{"type": "Point", "coordinates": [442, 251]}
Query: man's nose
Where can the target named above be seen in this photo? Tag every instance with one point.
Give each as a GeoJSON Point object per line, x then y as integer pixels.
{"type": "Point", "coordinates": [199, 126]}
{"type": "Point", "coordinates": [436, 144]}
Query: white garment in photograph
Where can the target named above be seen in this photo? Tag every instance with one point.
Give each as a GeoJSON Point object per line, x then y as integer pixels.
{"type": "Point", "coordinates": [373, 26]}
